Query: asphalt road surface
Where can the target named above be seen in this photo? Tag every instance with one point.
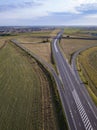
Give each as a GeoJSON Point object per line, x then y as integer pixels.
{"type": "Point", "coordinates": [77, 105]}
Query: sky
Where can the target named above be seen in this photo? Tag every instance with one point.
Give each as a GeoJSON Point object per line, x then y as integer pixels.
{"type": "Point", "coordinates": [48, 12]}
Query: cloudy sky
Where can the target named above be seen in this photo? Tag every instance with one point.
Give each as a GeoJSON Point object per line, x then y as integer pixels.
{"type": "Point", "coordinates": [48, 12]}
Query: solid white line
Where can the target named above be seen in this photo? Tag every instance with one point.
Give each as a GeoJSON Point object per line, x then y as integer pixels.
{"type": "Point", "coordinates": [95, 124]}
{"type": "Point", "coordinates": [68, 75]}
{"type": "Point", "coordinates": [92, 110]}
{"type": "Point", "coordinates": [73, 120]}
{"type": "Point", "coordinates": [78, 81]}
{"type": "Point", "coordinates": [55, 46]}
{"type": "Point", "coordinates": [75, 95]}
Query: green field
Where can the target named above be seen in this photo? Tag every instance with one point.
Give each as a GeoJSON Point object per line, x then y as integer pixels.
{"type": "Point", "coordinates": [72, 30]}
{"type": "Point", "coordinates": [25, 96]}
{"type": "Point", "coordinates": [80, 31]}
{"type": "Point", "coordinates": [88, 66]}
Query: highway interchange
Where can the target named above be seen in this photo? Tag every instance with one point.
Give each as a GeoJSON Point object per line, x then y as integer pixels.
{"type": "Point", "coordinates": [80, 111]}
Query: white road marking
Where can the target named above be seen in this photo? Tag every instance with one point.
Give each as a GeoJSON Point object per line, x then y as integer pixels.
{"type": "Point", "coordinates": [83, 115]}
{"type": "Point", "coordinates": [78, 81]}
{"type": "Point", "coordinates": [76, 98]}
{"type": "Point", "coordinates": [67, 75]}
{"type": "Point", "coordinates": [85, 118]}
{"type": "Point", "coordinates": [55, 46]}
{"type": "Point", "coordinates": [88, 125]}
{"type": "Point", "coordinates": [73, 119]}
{"type": "Point", "coordinates": [82, 112]}
{"type": "Point", "coordinates": [60, 78]}
{"type": "Point", "coordinates": [95, 124]}
{"type": "Point", "coordinates": [92, 110]}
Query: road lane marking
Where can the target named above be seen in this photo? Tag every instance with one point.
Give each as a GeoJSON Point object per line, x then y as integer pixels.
{"type": "Point", "coordinates": [95, 124]}
{"type": "Point", "coordinates": [85, 117]}
{"type": "Point", "coordinates": [88, 125]}
{"type": "Point", "coordinates": [55, 45]}
{"type": "Point", "coordinates": [76, 98]}
{"type": "Point", "coordinates": [56, 49]}
{"type": "Point", "coordinates": [78, 81]}
{"type": "Point", "coordinates": [73, 119]}
{"type": "Point", "coordinates": [68, 75]}
{"type": "Point", "coordinates": [92, 110]}
{"type": "Point", "coordinates": [82, 112]}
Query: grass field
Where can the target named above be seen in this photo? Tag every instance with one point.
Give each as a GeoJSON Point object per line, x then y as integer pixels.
{"type": "Point", "coordinates": [42, 50]}
{"type": "Point", "coordinates": [72, 30]}
{"type": "Point", "coordinates": [80, 31]}
{"type": "Point", "coordinates": [69, 46]}
{"type": "Point", "coordinates": [25, 95]}
{"type": "Point", "coordinates": [88, 65]}
{"type": "Point", "coordinates": [2, 41]}
{"type": "Point", "coordinates": [39, 46]}
{"type": "Point", "coordinates": [28, 37]}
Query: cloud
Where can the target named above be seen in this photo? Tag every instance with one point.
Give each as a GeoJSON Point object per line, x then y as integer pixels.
{"type": "Point", "coordinates": [18, 5]}
{"type": "Point", "coordinates": [48, 11]}
{"type": "Point", "coordinates": [87, 8]}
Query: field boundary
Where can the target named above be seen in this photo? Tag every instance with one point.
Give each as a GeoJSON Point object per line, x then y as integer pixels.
{"type": "Point", "coordinates": [88, 82]}
{"type": "Point", "coordinates": [81, 72]}
{"type": "Point", "coordinates": [80, 38]}
{"type": "Point", "coordinates": [3, 45]}
{"type": "Point", "coordinates": [53, 79]}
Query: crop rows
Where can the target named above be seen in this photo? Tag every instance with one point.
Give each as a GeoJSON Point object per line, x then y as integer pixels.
{"type": "Point", "coordinates": [25, 97]}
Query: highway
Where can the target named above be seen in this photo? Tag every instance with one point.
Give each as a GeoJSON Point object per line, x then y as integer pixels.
{"type": "Point", "coordinates": [76, 73]}
{"type": "Point", "coordinates": [77, 105]}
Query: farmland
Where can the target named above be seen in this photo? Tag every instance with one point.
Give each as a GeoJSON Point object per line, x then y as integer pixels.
{"type": "Point", "coordinates": [81, 31]}
{"type": "Point", "coordinates": [69, 46]}
{"type": "Point", "coordinates": [87, 62]}
{"type": "Point", "coordinates": [42, 50]}
{"type": "Point", "coordinates": [26, 98]}
{"type": "Point", "coordinates": [39, 46]}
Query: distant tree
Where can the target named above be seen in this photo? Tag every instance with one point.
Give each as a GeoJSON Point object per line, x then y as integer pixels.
{"type": "Point", "coordinates": [68, 36]}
